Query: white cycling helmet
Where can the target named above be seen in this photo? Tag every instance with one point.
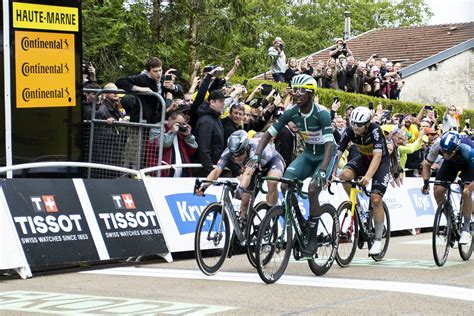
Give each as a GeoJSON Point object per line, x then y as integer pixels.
{"type": "Point", "coordinates": [360, 115]}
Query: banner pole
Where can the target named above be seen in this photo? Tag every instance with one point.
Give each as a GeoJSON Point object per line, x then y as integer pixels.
{"type": "Point", "coordinates": [7, 83]}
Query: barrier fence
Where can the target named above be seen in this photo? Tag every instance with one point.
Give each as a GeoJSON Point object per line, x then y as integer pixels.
{"type": "Point", "coordinates": [48, 222]}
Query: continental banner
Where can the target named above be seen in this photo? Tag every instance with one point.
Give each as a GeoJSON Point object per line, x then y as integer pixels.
{"type": "Point", "coordinates": [127, 221]}
{"type": "Point", "coordinates": [49, 221]}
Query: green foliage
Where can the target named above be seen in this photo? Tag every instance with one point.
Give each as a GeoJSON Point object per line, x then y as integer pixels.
{"type": "Point", "coordinates": [119, 35]}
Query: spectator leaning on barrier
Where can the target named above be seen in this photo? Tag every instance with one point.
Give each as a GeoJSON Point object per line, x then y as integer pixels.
{"type": "Point", "coordinates": [277, 60]}
{"type": "Point", "coordinates": [209, 131]}
{"type": "Point", "coordinates": [88, 99]}
{"type": "Point", "coordinates": [178, 145]}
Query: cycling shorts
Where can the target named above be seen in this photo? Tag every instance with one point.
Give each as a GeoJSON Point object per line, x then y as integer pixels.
{"type": "Point", "coordinates": [449, 171]}
{"type": "Point", "coordinates": [360, 165]}
{"type": "Point", "coordinates": [307, 165]}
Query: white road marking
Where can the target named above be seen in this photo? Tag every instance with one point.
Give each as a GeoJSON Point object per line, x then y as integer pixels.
{"type": "Point", "coordinates": [445, 291]}
{"type": "Point", "coordinates": [418, 242]}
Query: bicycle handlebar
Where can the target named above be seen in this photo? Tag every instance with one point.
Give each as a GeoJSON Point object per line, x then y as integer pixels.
{"type": "Point", "coordinates": [227, 183]}
{"type": "Point", "coordinates": [291, 183]}
{"type": "Point", "coordinates": [353, 184]}
{"type": "Point", "coordinates": [441, 182]}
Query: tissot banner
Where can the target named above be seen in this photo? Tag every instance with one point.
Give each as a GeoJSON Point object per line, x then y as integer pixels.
{"type": "Point", "coordinates": [126, 219]}
{"type": "Point", "coordinates": [49, 221]}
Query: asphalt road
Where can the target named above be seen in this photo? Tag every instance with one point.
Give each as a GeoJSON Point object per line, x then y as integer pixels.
{"type": "Point", "coordinates": [406, 282]}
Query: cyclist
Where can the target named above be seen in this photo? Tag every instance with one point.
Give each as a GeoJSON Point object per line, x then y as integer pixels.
{"type": "Point", "coordinates": [317, 159]}
{"type": "Point", "coordinates": [372, 164]}
{"type": "Point", "coordinates": [240, 149]}
{"type": "Point", "coordinates": [458, 157]}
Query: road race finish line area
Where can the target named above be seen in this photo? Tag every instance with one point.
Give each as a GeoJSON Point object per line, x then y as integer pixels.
{"type": "Point", "coordinates": [57, 303]}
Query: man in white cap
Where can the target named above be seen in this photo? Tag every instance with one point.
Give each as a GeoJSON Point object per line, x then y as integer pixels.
{"type": "Point", "coordinates": [278, 60]}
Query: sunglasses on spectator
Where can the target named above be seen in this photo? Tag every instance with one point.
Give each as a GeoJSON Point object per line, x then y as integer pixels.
{"type": "Point", "coordinates": [358, 124]}
{"type": "Point", "coordinates": [452, 109]}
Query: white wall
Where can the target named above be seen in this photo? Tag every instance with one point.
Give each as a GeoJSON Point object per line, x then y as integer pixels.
{"type": "Point", "coordinates": [451, 82]}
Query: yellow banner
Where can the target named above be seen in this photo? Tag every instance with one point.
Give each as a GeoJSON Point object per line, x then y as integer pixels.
{"type": "Point", "coordinates": [45, 17]}
{"type": "Point", "coordinates": [45, 69]}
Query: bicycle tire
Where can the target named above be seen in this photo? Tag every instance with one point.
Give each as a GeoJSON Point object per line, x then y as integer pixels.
{"type": "Point", "coordinates": [385, 235]}
{"type": "Point", "coordinates": [348, 234]}
{"type": "Point", "coordinates": [254, 221]}
{"type": "Point", "coordinates": [441, 235]}
{"type": "Point", "coordinates": [271, 245]}
{"type": "Point", "coordinates": [465, 251]}
{"type": "Point", "coordinates": [328, 234]}
{"type": "Point", "coordinates": [210, 251]}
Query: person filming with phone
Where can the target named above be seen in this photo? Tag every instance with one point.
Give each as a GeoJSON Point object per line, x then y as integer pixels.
{"type": "Point", "coordinates": [277, 60]}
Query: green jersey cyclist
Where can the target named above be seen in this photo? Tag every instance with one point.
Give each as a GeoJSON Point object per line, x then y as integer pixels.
{"type": "Point", "coordinates": [317, 160]}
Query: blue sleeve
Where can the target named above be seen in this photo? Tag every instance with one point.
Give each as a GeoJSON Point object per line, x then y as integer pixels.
{"type": "Point", "coordinates": [467, 152]}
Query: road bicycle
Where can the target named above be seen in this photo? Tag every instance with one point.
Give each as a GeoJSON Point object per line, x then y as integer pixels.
{"type": "Point", "coordinates": [283, 231]}
{"type": "Point", "coordinates": [357, 225]}
{"type": "Point", "coordinates": [213, 242]}
{"type": "Point", "coordinates": [448, 224]}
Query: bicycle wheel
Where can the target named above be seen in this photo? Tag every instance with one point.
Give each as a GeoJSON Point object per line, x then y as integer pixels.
{"type": "Point", "coordinates": [274, 244]}
{"type": "Point", "coordinates": [212, 239]}
{"type": "Point", "coordinates": [253, 223]}
{"type": "Point", "coordinates": [441, 235]}
{"type": "Point", "coordinates": [348, 234]}
{"type": "Point", "coordinates": [328, 240]}
{"type": "Point", "coordinates": [385, 233]}
{"type": "Point", "coordinates": [465, 251]}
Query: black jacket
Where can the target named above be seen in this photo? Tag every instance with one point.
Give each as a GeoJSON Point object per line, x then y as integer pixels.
{"type": "Point", "coordinates": [229, 128]}
{"type": "Point", "coordinates": [209, 134]}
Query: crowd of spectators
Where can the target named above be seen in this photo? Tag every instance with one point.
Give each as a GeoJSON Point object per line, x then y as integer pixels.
{"type": "Point", "coordinates": [200, 119]}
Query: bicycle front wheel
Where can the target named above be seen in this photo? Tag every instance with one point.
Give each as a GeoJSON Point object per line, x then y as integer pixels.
{"type": "Point", "coordinates": [441, 235]}
{"type": "Point", "coordinates": [385, 233]}
{"type": "Point", "coordinates": [328, 241]}
{"type": "Point", "coordinates": [348, 234]}
{"type": "Point", "coordinates": [255, 219]}
{"type": "Point", "coordinates": [274, 244]}
{"type": "Point", "coordinates": [212, 239]}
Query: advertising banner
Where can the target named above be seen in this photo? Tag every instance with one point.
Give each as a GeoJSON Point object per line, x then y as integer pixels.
{"type": "Point", "coordinates": [127, 222]}
{"type": "Point", "coordinates": [49, 221]}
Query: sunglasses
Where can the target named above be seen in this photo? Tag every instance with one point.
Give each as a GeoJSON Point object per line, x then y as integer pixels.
{"type": "Point", "coordinates": [240, 153]}
{"type": "Point", "coordinates": [300, 90]}
{"type": "Point", "coordinates": [358, 124]}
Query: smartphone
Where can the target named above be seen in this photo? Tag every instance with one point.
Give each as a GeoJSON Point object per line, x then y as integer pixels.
{"type": "Point", "coordinates": [266, 89]}
{"type": "Point", "coordinates": [168, 77]}
{"type": "Point", "coordinates": [245, 82]}
{"type": "Point", "coordinates": [429, 107]}
{"type": "Point", "coordinates": [371, 105]}
{"type": "Point", "coordinates": [209, 68]}
{"type": "Point", "coordinates": [336, 99]}
{"type": "Point", "coordinates": [467, 122]}
{"type": "Point", "coordinates": [177, 73]}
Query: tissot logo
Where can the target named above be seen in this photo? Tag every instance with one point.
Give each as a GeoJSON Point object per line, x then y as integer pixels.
{"type": "Point", "coordinates": [44, 203]}
{"type": "Point", "coordinates": [123, 201]}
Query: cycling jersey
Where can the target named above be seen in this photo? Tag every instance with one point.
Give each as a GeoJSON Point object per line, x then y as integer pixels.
{"type": "Point", "coordinates": [464, 155]}
{"type": "Point", "coordinates": [271, 159]}
{"type": "Point", "coordinates": [371, 142]}
{"type": "Point", "coordinates": [314, 127]}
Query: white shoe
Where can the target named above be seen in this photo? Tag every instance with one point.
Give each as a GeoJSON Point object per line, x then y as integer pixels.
{"type": "Point", "coordinates": [376, 248]}
{"type": "Point", "coordinates": [465, 238]}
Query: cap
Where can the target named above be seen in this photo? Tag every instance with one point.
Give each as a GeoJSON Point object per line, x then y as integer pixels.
{"type": "Point", "coordinates": [339, 39]}
{"type": "Point", "coordinates": [350, 107]}
{"type": "Point", "coordinates": [278, 39]}
{"type": "Point", "coordinates": [216, 95]}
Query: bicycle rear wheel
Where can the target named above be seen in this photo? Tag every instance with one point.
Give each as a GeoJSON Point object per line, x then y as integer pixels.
{"type": "Point", "coordinates": [255, 219]}
{"type": "Point", "coordinates": [212, 239]}
{"type": "Point", "coordinates": [274, 244]}
{"type": "Point", "coordinates": [441, 235]}
{"type": "Point", "coordinates": [465, 251]}
{"type": "Point", "coordinates": [385, 233]}
{"type": "Point", "coordinates": [328, 241]}
{"type": "Point", "coordinates": [348, 234]}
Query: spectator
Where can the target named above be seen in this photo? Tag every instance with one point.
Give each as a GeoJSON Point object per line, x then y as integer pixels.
{"type": "Point", "coordinates": [233, 121]}
{"type": "Point", "coordinates": [339, 127]}
{"type": "Point", "coordinates": [109, 108]}
{"type": "Point", "coordinates": [305, 66]}
{"type": "Point", "coordinates": [410, 128]}
{"type": "Point", "coordinates": [292, 70]}
{"type": "Point", "coordinates": [450, 119]}
{"type": "Point", "coordinates": [278, 60]}
{"type": "Point", "coordinates": [341, 73]}
{"type": "Point", "coordinates": [88, 100]}
{"type": "Point", "coordinates": [209, 131]}
{"type": "Point", "coordinates": [150, 81]}
{"type": "Point", "coordinates": [360, 77]}
{"type": "Point", "coordinates": [88, 73]}
{"type": "Point", "coordinates": [340, 49]}
{"type": "Point", "coordinates": [351, 70]}
{"type": "Point", "coordinates": [178, 145]}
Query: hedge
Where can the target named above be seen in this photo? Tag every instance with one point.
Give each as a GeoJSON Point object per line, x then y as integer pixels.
{"type": "Point", "coordinates": [326, 98]}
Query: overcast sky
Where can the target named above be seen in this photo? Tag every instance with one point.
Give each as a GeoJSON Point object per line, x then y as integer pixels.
{"type": "Point", "coordinates": [451, 11]}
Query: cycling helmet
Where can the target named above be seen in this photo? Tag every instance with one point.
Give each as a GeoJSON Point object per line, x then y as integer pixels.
{"type": "Point", "coordinates": [238, 142]}
{"type": "Point", "coordinates": [450, 141]}
{"type": "Point", "coordinates": [304, 81]}
{"type": "Point", "coordinates": [360, 115]}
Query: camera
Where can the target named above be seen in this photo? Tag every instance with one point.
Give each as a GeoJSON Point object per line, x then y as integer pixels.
{"type": "Point", "coordinates": [168, 77]}
{"type": "Point", "coordinates": [85, 66]}
{"type": "Point", "coordinates": [182, 128]}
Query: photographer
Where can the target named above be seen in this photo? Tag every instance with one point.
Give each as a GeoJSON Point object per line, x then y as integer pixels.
{"type": "Point", "coordinates": [178, 145]}
{"type": "Point", "coordinates": [277, 60]}
{"type": "Point", "coordinates": [340, 49]}
{"type": "Point", "coordinates": [88, 72]}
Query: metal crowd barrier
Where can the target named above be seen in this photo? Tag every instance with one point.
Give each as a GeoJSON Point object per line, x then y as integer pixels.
{"type": "Point", "coordinates": [122, 143]}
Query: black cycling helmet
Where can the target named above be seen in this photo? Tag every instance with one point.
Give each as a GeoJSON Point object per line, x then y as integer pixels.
{"type": "Point", "coordinates": [238, 142]}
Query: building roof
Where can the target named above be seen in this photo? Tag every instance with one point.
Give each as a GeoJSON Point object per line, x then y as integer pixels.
{"type": "Point", "coordinates": [409, 45]}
